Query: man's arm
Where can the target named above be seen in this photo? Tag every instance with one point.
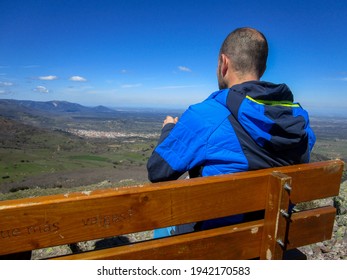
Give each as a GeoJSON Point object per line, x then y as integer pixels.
{"type": "Point", "coordinates": [181, 147]}
{"type": "Point", "coordinates": [158, 168]}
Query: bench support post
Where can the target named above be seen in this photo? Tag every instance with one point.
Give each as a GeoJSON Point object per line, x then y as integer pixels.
{"type": "Point", "coordinates": [276, 217]}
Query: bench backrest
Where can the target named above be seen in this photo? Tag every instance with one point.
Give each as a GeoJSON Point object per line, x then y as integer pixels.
{"type": "Point", "coordinates": [40, 222]}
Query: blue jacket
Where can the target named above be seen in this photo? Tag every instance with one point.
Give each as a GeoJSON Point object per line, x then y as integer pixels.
{"type": "Point", "coordinates": [250, 126]}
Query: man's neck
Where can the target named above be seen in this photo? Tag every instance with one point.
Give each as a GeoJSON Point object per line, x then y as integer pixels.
{"type": "Point", "coordinates": [238, 79]}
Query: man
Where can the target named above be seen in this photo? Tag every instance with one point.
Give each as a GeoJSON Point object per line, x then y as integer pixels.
{"type": "Point", "coordinates": [247, 125]}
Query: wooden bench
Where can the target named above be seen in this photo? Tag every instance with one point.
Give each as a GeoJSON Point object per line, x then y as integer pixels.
{"type": "Point", "coordinates": [32, 223]}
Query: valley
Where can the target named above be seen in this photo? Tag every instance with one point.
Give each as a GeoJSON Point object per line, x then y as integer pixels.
{"type": "Point", "coordinates": [47, 148]}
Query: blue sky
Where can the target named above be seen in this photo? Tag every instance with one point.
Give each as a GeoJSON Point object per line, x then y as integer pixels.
{"type": "Point", "coordinates": [164, 53]}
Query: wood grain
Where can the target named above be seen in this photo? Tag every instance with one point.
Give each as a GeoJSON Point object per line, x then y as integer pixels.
{"type": "Point", "coordinates": [33, 223]}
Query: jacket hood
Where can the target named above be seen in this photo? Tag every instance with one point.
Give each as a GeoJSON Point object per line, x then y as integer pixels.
{"type": "Point", "coordinates": [264, 91]}
{"type": "Point", "coordinates": [267, 113]}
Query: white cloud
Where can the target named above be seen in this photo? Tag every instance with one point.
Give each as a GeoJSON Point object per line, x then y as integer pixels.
{"type": "Point", "coordinates": [77, 79]}
{"type": "Point", "coordinates": [344, 79]}
{"type": "Point", "coordinates": [5, 88]}
{"type": "Point", "coordinates": [131, 85]}
{"type": "Point", "coordinates": [5, 92]}
{"type": "Point", "coordinates": [123, 71]}
{"type": "Point", "coordinates": [6, 84]}
{"type": "Point", "coordinates": [48, 78]}
{"type": "Point", "coordinates": [184, 69]}
{"type": "Point", "coordinates": [41, 89]}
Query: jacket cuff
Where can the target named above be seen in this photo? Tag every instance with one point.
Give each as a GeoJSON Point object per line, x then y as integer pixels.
{"type": "Point", "coordinates": [165, 132]}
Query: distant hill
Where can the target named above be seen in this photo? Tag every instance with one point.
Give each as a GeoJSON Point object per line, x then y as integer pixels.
{"type": "Point", "coordinates": [50, 107]}
{"type": "Point", "coordinates": [14, 133]}
{"type": "Point", "coordinates": [51, 113]}
{"type": "Point", "coordinates": [20, 136]}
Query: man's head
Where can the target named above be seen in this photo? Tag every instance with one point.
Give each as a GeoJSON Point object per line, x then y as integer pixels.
{"type": "Point", "coordinates": [242, 57]}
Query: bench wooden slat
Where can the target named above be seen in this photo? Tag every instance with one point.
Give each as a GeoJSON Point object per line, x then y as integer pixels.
{"type": "Point", "coordinates": [220, 243]}
{"type": "Point", "coordinates": [62, 220]}
{"type": "Point", "coordinates": [311, 226]}
{"type": "Point", "coordinates": [318, 181]}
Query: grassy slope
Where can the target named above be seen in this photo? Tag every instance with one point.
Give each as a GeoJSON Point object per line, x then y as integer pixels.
{"type": "Point", "coordinates": [28, 151]}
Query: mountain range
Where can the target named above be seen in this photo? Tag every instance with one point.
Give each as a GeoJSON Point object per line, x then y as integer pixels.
{"type": "Point", "coordinates": [47, 114]}
{"type": "Point", "coordinates": [50, 107]}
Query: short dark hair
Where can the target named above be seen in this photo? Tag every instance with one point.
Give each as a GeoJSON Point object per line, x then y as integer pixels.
{"type": "Point", "coordinates": [247, 48]}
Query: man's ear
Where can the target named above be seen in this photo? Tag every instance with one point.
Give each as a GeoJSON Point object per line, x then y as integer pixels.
{"type": "Point", "coordinates": [225, 64]}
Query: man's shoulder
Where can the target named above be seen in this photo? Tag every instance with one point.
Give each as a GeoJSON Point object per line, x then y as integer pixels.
{"type": "Point", "coordinates": [210, 112]}
{"type": "Point", "coordinates": [214, 105]}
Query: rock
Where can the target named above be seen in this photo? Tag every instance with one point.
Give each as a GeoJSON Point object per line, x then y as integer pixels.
{"type": "Point", "coordinates": [340, 202]}
{"type": "Point", "coordinates": [325, 249]}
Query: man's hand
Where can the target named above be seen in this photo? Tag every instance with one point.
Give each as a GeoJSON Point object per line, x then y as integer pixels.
{"type": "Point", "coordinates": [170, 119]}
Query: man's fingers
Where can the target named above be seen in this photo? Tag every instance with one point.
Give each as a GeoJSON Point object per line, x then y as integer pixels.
{"type": "Point", "coordinates": [170, 119]}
